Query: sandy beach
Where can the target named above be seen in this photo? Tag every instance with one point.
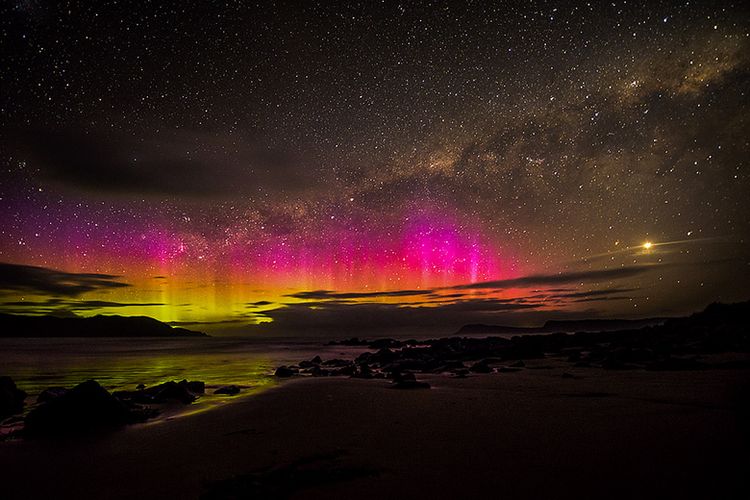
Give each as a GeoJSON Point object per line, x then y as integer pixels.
{"type": "Point", "coordinates": [530, 434]}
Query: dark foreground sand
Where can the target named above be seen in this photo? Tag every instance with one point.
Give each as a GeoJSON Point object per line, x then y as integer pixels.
{"type": "Point", "coordinates": [530, 434]}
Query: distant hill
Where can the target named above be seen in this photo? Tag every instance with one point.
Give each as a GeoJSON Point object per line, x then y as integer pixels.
{"type": "Point", "coordinates": [12, 325]}
{"type": "Point", "coordinates": [553, 326]}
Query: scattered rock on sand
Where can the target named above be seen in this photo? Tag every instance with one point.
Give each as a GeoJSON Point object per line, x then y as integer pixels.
{"type": "Point", "coordinates": [285, 372]}
{"type": "Point", "coordinates": [184, 391]}
{"type": "Point", "coordinates": [11, 397]}
{"type": "Point", "coordinates": [229, 390]}
{"type": "Point", "coordinates": [408, 381]}
{"type": "Point", "coordinates": [481, 367]}
{"type": "Point", "coordinates": [51, 393]}
{"type": "Point", "coordinates": [85, 407]}
{"type": "Point", "coordinates": [362, 371]}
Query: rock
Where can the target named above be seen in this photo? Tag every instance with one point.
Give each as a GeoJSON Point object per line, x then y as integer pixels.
{"type": "Point", "coordinates": [174, 391]}
{"type": "Point", "coordinates": [404, 377]}
{"type": "Point", "coordinates": [365, 356]}
{"type": "Point", "coordinates": [11, 397]}
{"type": "Point", "coordinates": [195, 386]}
{"type": "Point", "coordinates": [184, 391]}
{"type": "Point", "coordinates": [229, 390]}
{"type": "Point", "coordinates": [85, 407]}
{"type": "Point", "coordinates": [51, 393]}
{"type": "Point", "coordinates": [362, 371]}
{"type": "Point", "coordinates": [408, 381]}
{"type": "Point", "coordinates": [317, 371]}
{"type": "Point", "coordinates": [313, 362]}
{"type": "Point", "coordinates": [481, 367]}
{"type": "Point", "coordinates": [285, 372]}
{"type": "Point", "coordinates": [343, 371]}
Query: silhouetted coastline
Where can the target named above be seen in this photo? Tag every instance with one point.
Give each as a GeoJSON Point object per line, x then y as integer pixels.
{"type": "Point", "coordinates": [13, 325]}
{"type": "Point", "coordinates": [664, 404]}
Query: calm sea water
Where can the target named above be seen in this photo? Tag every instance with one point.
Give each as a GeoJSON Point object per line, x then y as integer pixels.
{"type": "Point", "coordinates": [116, 363]}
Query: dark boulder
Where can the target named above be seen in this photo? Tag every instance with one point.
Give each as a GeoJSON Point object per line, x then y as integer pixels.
{"type": "Point", "coordinates": [11, 397]}
{"type": "Point", "coordinates": [85, 407]}
{"type": "Point", "coordinates": [347, 370]}
{"type": "Point", "coordinates": [184, 391]}
{"type": "Point", "coordinates": [363, 371]}
{"type": "Point", "coordinates": [306, 364]}
{"type": "Point", "coordinates": [51, 393]}
{"type": "Point", "coordinates": [285, 372]}
{"type": "Point", "coordinates": [481, 367]}
{"type": "Point", "coordinates": [408, 381]}
{"type": "Point", "coordinates": [313, 362]}
{"type": "Point", "coordinates": [174, 391]}
{"type": "Point", "coordinates": [317, 371]}
{"type": "Point", "coordinates": [195, 386]}
{"type": "Point", "coordinates": [229, 390]}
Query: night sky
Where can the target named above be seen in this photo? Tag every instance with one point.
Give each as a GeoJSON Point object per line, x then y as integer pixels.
{"type": "Point", "coordinates": [382, 164]}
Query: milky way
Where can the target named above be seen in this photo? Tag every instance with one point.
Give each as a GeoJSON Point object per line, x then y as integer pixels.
{"type": "Point", "coordinates": [408, 163]}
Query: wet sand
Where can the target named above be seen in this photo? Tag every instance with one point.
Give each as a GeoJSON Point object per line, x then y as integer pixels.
{"type": "Point", "coordinates": [529, 434]}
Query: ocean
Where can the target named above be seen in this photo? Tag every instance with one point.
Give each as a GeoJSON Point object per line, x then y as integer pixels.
{"type": "Point", "coordinates": [122, 364]}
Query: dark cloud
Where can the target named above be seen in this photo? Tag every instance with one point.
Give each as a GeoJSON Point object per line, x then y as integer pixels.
{"type": "Point", "coordinates": [569, 277]}
{"type": "Point", "coordinates": [593, 293]}
{"type": "Point", "coordinates": [602, 299]}
{"type": "Point", "coordinates": [259, 303]}
{"type": "Point", "coordinates": [369, 315]}
{"type": "Point", "coordinates": [60, 307]}
{"type": "Point", "coordinates": [165, 164]}
{"type": "Point", "coordinates": [45, 281]}
{"type": "Point", "coordinates": [349, 311]}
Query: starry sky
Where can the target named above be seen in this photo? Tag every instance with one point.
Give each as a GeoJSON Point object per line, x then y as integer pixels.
{"type": "Point", "coordinates": [237, 167]}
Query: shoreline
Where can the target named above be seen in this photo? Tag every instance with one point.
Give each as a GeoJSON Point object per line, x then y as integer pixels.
{"type": "Point", "coordinates": [528, 433]}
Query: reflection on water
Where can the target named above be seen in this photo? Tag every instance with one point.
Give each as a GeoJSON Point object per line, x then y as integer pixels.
{"type": "Point", "coordinates": [38, 363]}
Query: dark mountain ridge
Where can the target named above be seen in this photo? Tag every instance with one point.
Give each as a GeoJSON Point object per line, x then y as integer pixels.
{"type": "Point", "coordinates": [13, 325]}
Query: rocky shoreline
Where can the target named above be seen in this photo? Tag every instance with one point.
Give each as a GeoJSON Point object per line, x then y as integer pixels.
{"type": "Point", "coordinates": [677, 344]}
{"type": "Point", "coordinates": [88, 406]}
